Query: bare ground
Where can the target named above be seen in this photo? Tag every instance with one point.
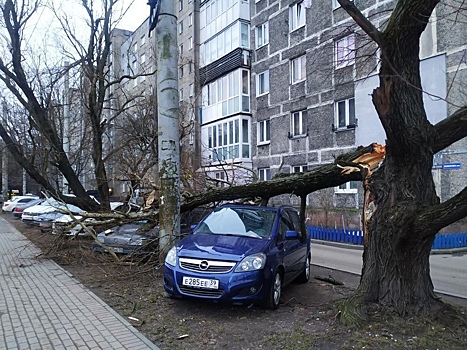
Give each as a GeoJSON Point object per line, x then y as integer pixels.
{"type": "Point", "coordinates": [306, 318]}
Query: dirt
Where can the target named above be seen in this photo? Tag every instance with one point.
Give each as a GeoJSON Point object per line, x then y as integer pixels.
{"type": "Point", "coordinates": [306, 318]}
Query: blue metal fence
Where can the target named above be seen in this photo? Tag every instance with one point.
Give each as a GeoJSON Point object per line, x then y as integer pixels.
{"type": "Point", "coordinates": [442, 240]}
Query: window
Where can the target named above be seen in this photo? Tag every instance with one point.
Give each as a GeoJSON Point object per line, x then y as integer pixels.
{"type": "Point", "coordinates": [297, 16]}
{"type": "Point", "coordinates": [192, 89]}
{"type": "Point", "coordinates": [190, 43]}
{"type": "Point", "coordinates": [335, 4]}
{"type": "Point", "coordinates": [180, 5]}
{"type": "Point", "coordinates": [180, 50]}
{"type": "Point", "coordinates": [298, 69]}
{"type": "Point", "coordinates": [348, 187]}
{"type": "Point", "coordinates": [190, 20]}
{"type": "Point", "coordinates": [299, 168]}
{"type": "Point", "coordinates": [135, 72]}
{"type": "Point", "coordinates": [143, 40]}
{"type": "Point", "coordinates": [142, 61]}
{"type": "Point", "coordinates": [264, 174]}
{"type": "Point", "coordinates": [228, 139]}
{"type": "Point", "coordinates": [298, 124]}
{"type": "Point", "coordinates": [135, 48]}
{"type": "Point", "coordinates": [180, 72]}
{"type": "Point", "coordinates": [264, 131]}
{"type": "Point", "coordinates": [190, 67]}
{"type": "Point", "coordinates": [262, 83]}
{"type": "Point", "coordinates": [345, 113]}
{"type": "Point", "coordinates": [180, 27]}
{"type": "Point", "coordinates": [181, 94]}
{"type": "Point", "coordinates": [262, 34]}
{"type": "Point", "coordinates": [345, 51]}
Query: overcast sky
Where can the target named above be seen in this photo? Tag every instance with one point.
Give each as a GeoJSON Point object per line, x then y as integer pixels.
{"type": "Point", "coordinates": [137, 13]}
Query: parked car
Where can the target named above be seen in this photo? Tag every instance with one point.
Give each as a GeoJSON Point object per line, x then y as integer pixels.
{"type": "Point", "coordinates": [31, 215]}
{"type": "Point", "coordinates": [10, 204]}
{"type": "Point", "coordinates": [20, 207]}
{"type": "Point", "coordinates": [137, 238]}
{"type": "Point", "coordinates": [240, 254]}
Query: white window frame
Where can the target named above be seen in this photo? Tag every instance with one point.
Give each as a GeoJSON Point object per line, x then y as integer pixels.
{"type": "Point", "coordinates": [262, 79]}
{"type": "Point", "coordinates": [180, 5]}
{"type": "Point", "coordinates": [190, 43]}
{"type": "Point", "coordinates": [348, 187]}
{"type": "Point", "coordinates": [344, 51]}
{"type": "Point", "coordinates": [347, 113]}
{"type": "Point", "coordinates": [262, 35]}
{"type": "Point", "coordinates": [180, 27]}
{"type": "Point", "coordinates": [180, 72]}
{"type": "Point", "coordinates": [302, 130]}
{"type": "Point", "coordinates": [297, 16]}
{"type": "Point", "coordinates": [298, 64]}
{"type": "Point", "coordinates": [299, 169]}
{"type": "Point", "coordinates": [192, 89]}
{"type": "Point", "coordinates": [180, 50]}
{"type": "Point", "coordinates": [264, 132]}
{"type": "Point", "coordinates": [181, 94]}
{"type": "Point", "coordinates": [143, 40]}
{"type": "Point", "coordinates": [190, 20]}
{"type": "Point", "coordinates": [264, 174]}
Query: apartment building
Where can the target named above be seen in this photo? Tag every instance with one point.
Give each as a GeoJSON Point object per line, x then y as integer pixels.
{"type": "Point", "coordinates": [313, 71]}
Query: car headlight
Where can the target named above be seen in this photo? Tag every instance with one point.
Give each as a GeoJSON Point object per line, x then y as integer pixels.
{"type": "Point", "coordinates": [252, 263]}
{"type": "Point", "coordinates": [171, 258]}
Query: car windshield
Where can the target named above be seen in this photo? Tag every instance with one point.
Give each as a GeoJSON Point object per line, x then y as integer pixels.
{"type": "Point", "coordinates": [253, 222]}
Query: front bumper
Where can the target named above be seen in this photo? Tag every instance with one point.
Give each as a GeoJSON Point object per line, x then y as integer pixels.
{"type": "Point", "coordinates": [234, 287]}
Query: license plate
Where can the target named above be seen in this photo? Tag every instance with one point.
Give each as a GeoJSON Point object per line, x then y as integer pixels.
{"type": "Point", "coordinates": [200, 282]}
{"type": "Point", "coordinates": [118, 250]}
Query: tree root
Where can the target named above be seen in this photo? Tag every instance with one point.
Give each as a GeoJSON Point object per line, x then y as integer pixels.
{"type": "Point", "coordinates": [351, 311]}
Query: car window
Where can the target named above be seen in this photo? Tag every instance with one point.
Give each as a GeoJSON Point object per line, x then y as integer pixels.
{"type": "Point", "coordinates": [295, 219]}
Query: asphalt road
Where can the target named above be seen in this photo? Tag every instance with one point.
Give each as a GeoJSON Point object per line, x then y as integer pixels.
{"type": "Point", "coordinates": [448, 271]}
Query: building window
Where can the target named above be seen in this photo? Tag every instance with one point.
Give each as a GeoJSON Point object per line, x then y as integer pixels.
{"type": "Point", "coordinates": [298, 69]}
{"type": "Point", "coordinates": [181, 94]}
{"type": "Point", "coordinates": [298, 124]}
{"type": "Point", "coordinates": [297, 16]}
{"type": "Point", "coordinates": [192, 89]}
{"type": "Point", "coordinates": [190, 19]}
{"type": "Point", "coordinates": [135, 72]}
{"type": "Point", "coordinates": [262, 34]}
{"type": "Point", "coordinates": [299, 168]}
{"type": "Point", "coordinates": [180, 5]}
{"type": "Point", "coordinates": [135, 48]}
{"type": "Point", "coordinates": [345, 51]}
{"type": "Point", "coordinates": [190, 43]}
{"type": "Point", "coordinates": [345, 113]}
{"type": "Point", "coordinates": [220, 176]}
{"type": "Point", "coordinates": [335, 4]}
{"type": "Point", "coordinates": [180, 50]}
{"type": "Point", "coordinates": [190, 67]}
{"type": "Point", "coordinates": [142, 61]}
{"type": "Point", "coordinates": [262, 83]}
{"type": "Point", "coordinates": [264, 131]}
{"type": "Point", "coordinates": [228, 140]}
{"type": "Point", "coordinates": [348, 187]}
{"type": "Point", "coordinates": [264, 174]}
{"type": "Point", "coordinates": [180, 72]}
{"type": "Point", "coordinates": [180, 27]}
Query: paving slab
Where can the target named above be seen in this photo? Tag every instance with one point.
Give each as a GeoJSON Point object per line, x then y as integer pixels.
{"type": "Point", "coordinates": [43, 307]}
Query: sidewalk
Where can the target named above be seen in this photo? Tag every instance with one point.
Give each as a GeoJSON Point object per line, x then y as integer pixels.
{"type": "Point", "coordinates": [43, 307]}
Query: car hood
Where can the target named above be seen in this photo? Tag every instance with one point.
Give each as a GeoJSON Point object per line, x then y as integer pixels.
{"type": "Point", "coordinates": [220, 247]}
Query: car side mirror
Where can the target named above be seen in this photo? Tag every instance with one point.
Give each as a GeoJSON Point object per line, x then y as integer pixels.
{"type": "Point", "coordinates": [292, 235]}
{"type": "Point", "coordinates": [192, 228]}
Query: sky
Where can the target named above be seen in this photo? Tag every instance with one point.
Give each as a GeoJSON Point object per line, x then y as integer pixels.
{"type": "Point", "coordinates": [137, 13]}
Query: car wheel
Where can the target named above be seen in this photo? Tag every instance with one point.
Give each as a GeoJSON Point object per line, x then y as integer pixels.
{"type": "Point", "coordinates": [274, 294]}
{"type": "Point", "coordinates": [304, 277]}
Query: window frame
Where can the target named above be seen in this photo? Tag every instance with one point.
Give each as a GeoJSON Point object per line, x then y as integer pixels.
{"type": "Point", "coordinates": [303, 131]}
{"type": "Point", "coordinates": [348, 50]}
{"type": "Point", "coordinates": [297, 16]}
{"type": "Point", "coordinates": [264, 174]}
{"type": "Point", "coordinates": [263, 131]}
{"type": "Point", "coordinates": [299, 168]}
{"type": "Point", "coordinates": [264, 29]}
{"type": "Point", "coordinates": [259, 91]}
{"type": "Point", "coordinates": [347, 114]}
{"type": "Point", "coordinates": [301, 66]}
{"type": "Point", "coordinates": [336, 5]}
{"type": "Point", "coordinates": [349, 189]}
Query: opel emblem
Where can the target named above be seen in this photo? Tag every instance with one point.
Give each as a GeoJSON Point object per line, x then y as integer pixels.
{"type": "Point", "coordinates": [203, 265]}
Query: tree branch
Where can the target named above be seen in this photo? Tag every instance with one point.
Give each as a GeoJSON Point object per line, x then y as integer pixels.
{"type": "Point", "coordinates": [361, 20]}
{"type": "Point", "coordinates": [451, 129]}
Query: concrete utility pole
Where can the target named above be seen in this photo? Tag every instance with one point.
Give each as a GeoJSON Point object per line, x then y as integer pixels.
{"type": "Point", "coordinates": [168, 123]}
{"type": "Point", "coordinates": [4, 158]}
{"type": "Point", "coordinates": [66, 122]}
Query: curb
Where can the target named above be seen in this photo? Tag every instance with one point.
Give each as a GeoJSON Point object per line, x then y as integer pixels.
{"type": "Point", "coordinates": [360, 247]}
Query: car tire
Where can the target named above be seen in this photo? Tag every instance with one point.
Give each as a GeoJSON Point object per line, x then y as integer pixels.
{"type": "Point", "coordinates": [304, 277]}
{"type": "Point", "coordinates": [274, 294]}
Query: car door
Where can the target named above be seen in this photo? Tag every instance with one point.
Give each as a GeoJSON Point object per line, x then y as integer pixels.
{"type": "Point", "coordinates": [289, 248]}
{"type": "Point", "coordinates": [299, 246]}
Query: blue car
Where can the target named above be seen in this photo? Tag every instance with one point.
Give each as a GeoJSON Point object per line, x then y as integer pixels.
{"type": "Point", "coordinates": [240, 254]}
